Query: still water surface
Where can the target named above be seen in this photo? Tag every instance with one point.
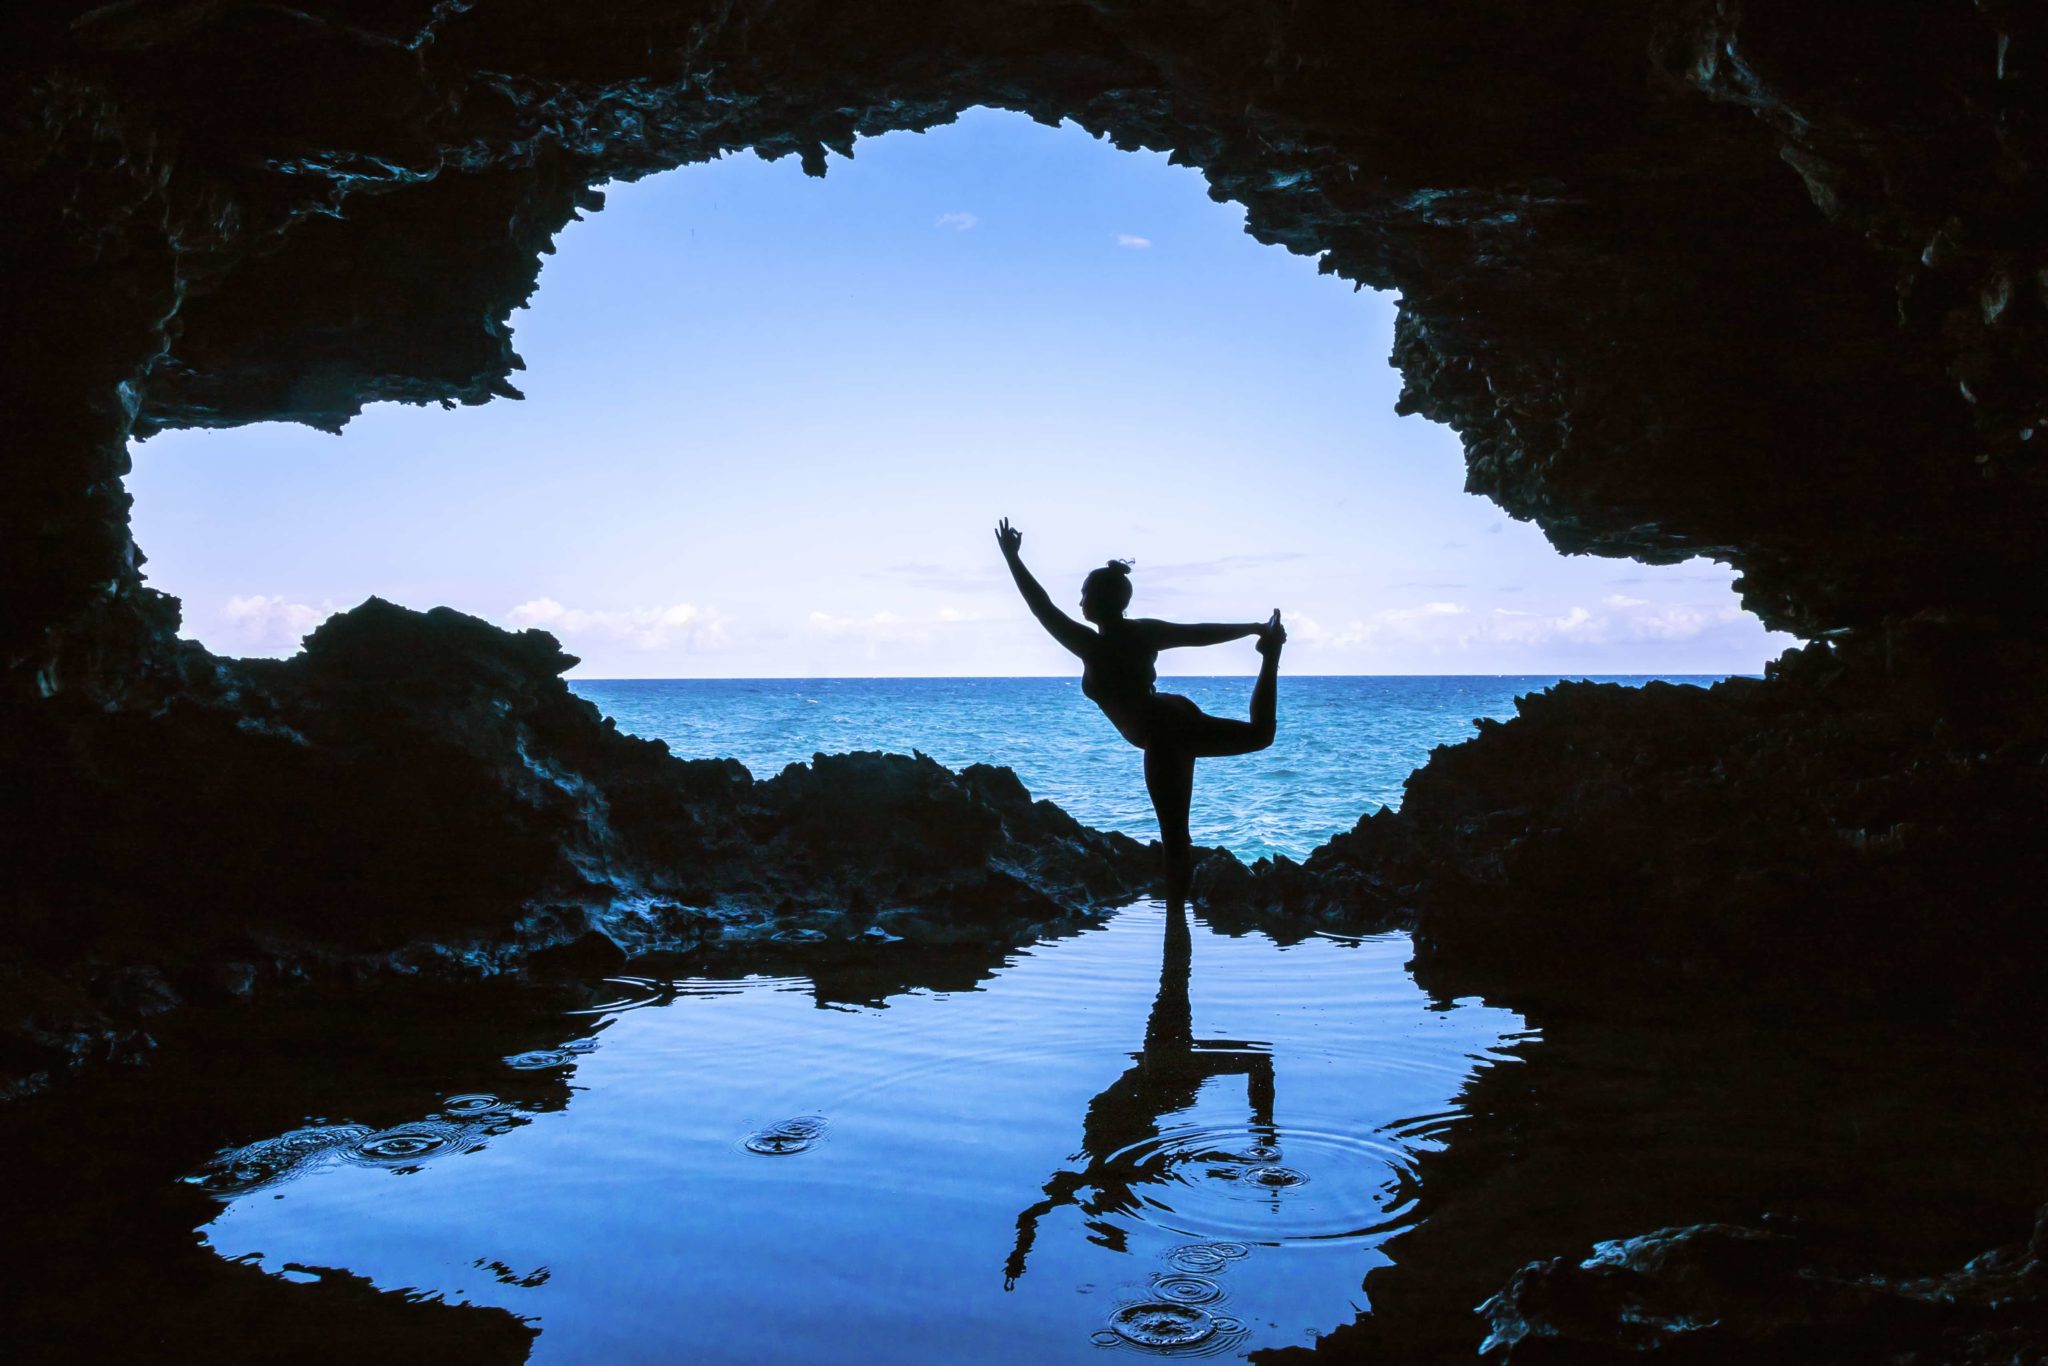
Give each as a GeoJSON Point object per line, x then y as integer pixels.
{"type": "Point", "coordinates": [1137, 1134]}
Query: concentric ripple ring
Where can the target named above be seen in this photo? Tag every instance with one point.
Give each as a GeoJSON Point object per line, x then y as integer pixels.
{"type": "Point", "coordinates": [1182, 1288]}
{"type": "Point", "coordinates": [419, 1141]}
{"type": "Point", "coordinates": [1161, 1323]}
{"type": "Point", "coordinates": [788, 1137]}
{"type": "Point", "coordinates": [272, 1161]}
{"type": "Point", "coordinates": [1335, 1186]}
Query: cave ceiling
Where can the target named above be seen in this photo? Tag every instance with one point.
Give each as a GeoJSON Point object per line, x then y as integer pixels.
{"type": "Point", "coordinates": [1760, 281]}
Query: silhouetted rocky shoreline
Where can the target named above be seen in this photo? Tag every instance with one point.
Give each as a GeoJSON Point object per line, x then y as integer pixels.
{"type": "Point", "coordinates": [420, 793]}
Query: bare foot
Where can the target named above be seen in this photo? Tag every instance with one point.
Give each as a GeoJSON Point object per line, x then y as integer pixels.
{"type": "Point", "coordinates": [1272, 635]}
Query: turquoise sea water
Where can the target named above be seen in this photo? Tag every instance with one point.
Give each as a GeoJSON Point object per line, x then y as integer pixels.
{"type": "Point", "coordinates": [1345, 744]}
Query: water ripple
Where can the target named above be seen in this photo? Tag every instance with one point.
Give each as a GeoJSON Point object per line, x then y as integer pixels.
{"type": "Point", "coordinates": [421, 1140]}
{"type": "Point", "coordinates": [786, 1138]}
{"type": "Point", "coordinates": [1186, 1288]}
{"type": "Point", "coordinates": [1336, 1187]}
{"type": "Point", "coordinates": [272, 1161]}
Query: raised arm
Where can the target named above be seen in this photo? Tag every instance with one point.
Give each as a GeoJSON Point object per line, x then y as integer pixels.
{"type": "Point", "coordinates": [1058, 624]}
{"type": "Point", "coordinates": [1167, 635]}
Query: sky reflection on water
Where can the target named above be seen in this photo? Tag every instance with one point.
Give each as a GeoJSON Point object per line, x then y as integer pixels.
{"type": "Point", "coordinates": [911, 1214]}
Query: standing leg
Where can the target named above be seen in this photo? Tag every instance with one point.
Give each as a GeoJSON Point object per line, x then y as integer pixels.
{"type": "Point", "coordinates": [1170, 778]}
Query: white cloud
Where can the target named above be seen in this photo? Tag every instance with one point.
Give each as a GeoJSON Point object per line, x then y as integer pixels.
{"type": "Point", "coordinates": [957, 221]}
{"type": "Point", "coordinates": [272, 624]}
{"type": "Point", "coordinates": [639, 628]}
{"type": "Point", "coordinates": [1125, 239]}
{"type": "Point", "coordinates": [1403, 615]}
{"type": "Point", "coordinates": [1624, 619]}
{"type": "Point", "coordinates": [1449, 627]}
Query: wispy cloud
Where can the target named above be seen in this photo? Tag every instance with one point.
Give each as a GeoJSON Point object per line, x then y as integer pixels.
{"type": "Point", "coordinates": [958, 221]}
{"type": "Point", "coordinates": [1187, 579]}
{"type": "Point", "coordinates": [1452, 627]}
{"type": "Point", "coordinates": [271, 624]}
{"type": "Point", "coordinates": [639, 628]}
{"type": "Point", "coordinates": [1223, 564]}
{"type": "Point", "coordinates": [1125, 239]}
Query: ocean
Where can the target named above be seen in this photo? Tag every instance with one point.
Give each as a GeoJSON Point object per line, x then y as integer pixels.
{"type": "Point", "coordinates": [1345, 746]}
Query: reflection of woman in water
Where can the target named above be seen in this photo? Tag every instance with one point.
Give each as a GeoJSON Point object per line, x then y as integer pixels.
{"type": "Point", "coordinates": [1118, 671]}
{"type": "Point", "coordinates": [1120, 1131]}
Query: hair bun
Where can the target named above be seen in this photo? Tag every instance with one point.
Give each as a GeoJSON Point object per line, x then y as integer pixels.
{"type": "Point", "coordinates": [1122, 567]}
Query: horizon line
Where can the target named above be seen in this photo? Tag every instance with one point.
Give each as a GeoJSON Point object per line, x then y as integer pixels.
{"type": "Point", "coordinates": [1075, 678]}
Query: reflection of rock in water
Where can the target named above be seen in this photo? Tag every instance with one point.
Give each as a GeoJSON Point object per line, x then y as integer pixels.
{"type": "Point", "coordinates": [505, 1275]}
{"type": "Point", "coordinates": [790, 1136]}
{"type": "Point", "coordinates": [272, 1161]}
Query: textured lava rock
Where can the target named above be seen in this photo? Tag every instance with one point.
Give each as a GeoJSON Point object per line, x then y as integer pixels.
{"type": "Point", "coordinates": [422, 790]}
{"type": "Point", "coordinates": [1804, 832]}
{"type": "Point", "coordinates": [1717, 1292]}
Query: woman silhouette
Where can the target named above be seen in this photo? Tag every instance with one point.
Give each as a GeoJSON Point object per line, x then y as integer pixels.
{"type": "Point", "coordinates": [1118, 671]}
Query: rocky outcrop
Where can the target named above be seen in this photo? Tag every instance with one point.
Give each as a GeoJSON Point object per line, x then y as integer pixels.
{"type": "Point", "coordinates": [1790, 833]}
{"type": "Point", "coordinates": [421, 791]}
{"type": "Point", "coordinates": [1720, 1292]}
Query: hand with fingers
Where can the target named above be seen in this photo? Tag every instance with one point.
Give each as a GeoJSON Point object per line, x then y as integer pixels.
{"type": "Point", "coordinates": [1009, 538]}
{"type": "Point", "coordinates": [1272, 635]}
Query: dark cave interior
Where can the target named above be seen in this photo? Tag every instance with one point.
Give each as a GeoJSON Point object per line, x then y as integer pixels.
{"type": "Point", "coordinates": [1761, 281]}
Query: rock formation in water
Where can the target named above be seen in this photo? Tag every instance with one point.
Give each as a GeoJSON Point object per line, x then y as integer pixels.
{"type": "Point", "coordinates": [1764, 282]}
{"type": "Point", "coordinates": [421, 790]}
{"type": "Point", "coordinates": [1807, 832]}
{"type": "Point", "coordinates": [1722, 1292]}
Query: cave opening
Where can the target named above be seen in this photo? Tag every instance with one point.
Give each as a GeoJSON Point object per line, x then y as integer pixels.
{"type": "Point", "coordinates": [767, 418]}
{"type": "Point", "coordinates": [1760, 283]}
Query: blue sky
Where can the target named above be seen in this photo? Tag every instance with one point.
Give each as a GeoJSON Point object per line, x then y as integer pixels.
{"type": "Point", "coordinates": [771, 421]}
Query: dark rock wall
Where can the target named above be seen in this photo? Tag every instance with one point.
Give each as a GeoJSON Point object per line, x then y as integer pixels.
{"type": "Point", "coordinates": [1845, 827]}
{"type": "Point", "coordinates": [1761, 282]}
{"type": "Point", "coordinates": [421, 791]}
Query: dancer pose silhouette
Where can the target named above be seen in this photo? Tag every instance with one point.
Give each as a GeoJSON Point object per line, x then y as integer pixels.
{"type": "Point", "coordinates": [1118, 673]}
